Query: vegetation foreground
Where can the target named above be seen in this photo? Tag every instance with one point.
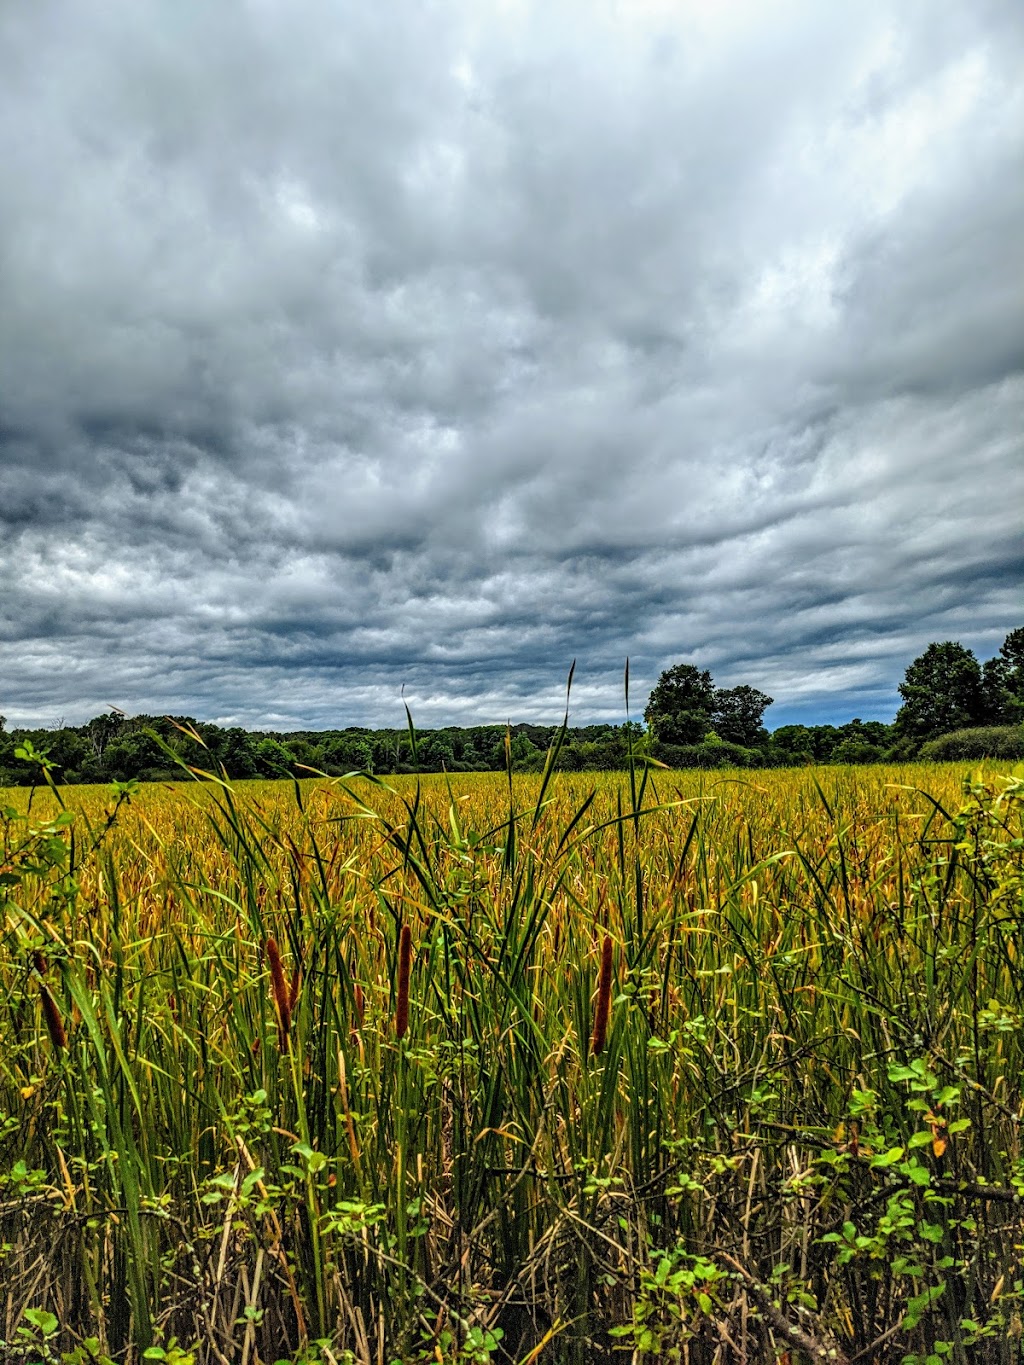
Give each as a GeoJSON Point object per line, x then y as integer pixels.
{"type": "Point", "coordinates": [707, 1068]}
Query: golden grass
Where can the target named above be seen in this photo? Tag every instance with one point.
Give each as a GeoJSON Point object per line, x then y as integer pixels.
{"type": "Point", "coordinates": [529, 1052]}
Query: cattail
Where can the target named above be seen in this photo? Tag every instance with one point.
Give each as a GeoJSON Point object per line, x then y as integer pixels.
{"type": "Point", "coordinates": [53, 1021]}
{"type": "Point", "coordinates": [604, 999]}
{"type": "Point", "coordinates": [54, 1026]}
{"type": "Point", "coordinates": [284, 1013]}
{"type": "Point", "coordinates": [357, 1000]}
{"type": "Point", "coordinates": [404, 964]}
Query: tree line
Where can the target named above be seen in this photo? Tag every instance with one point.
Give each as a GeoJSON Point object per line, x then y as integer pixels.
{"type": "Point", "coordinates": [953, 706]}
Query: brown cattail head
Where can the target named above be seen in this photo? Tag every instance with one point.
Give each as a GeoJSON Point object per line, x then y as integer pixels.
{"type": "Point", "coordinates": [54, 1025]}
{"type": "Point", "coordinates": [280, 989]}
{"type": "Point", "coordinates": [358, 1002]}
{"type": "Point", "coordinates": [603, 1009]}
{"type": "Point", "coordinates": [404, 965]}
{"type": "Point", "coordinates": [53, 1021]}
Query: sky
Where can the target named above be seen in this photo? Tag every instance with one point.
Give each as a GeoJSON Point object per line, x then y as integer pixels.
{"type": "Point", "coordinates": [355, 351]}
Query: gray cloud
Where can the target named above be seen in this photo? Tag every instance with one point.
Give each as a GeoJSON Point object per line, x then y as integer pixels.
{"type": "Point", "coordinates": [436, 345]}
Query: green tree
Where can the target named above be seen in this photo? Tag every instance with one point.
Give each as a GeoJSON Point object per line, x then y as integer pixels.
{"type": "Point", "coordinates": [737, 715]}
{"type": "Point", "coordinates": [101, 730]}
{"type": "Point", "coordinates": [526, 757]}
{"type": "Point", "coordinates": [68, 750]}
{"type": "Point", "coordinates": [436, 751]}
{"type": "Point", "coordinates": [238, 753]}
{"type": "Point", "coordinates": [853, 750]}
{"type": "Point", "coordinates": [348, 753]}
{"type": "Point", "coordinates": [941, 691]}
{"type": "Point", "coordinates": [1011, 651]}
{"type": "Point", "coordinates": [680, 707]}
{"type": "Point", "coordinates": [874, 732]}
{"type": "Point", "coordinates": [273, 759]}
{"type": "Point", "coordinates": [1003, 682]}
{"type": "Point", "coordinates": [133, 754]}
{"type": "Point", "coordinates": [792, 745]}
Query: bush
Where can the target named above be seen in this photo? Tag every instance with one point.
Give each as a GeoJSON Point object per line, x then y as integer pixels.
{"type": "Point", "coordinates": [857, 751]}
{"type": "Point", "coordinates": [985, 741]}
{"type": "Point", "coordinates": [714, 754]}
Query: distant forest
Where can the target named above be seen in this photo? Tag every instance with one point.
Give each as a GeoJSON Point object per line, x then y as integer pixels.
{"type": "Point", "coordinates": [953, 707]}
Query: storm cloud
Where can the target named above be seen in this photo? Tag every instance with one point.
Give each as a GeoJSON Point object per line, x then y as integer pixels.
{"type": "Point", "coordinates": [347, 348]}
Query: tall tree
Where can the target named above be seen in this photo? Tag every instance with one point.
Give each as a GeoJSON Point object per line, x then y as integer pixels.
{"type": "Point", "coordinates": [941, 692]}
{"type": "Point", "coordinates": [680, 706]}
{"type": "Point", "coordinates": [737, 715]}
{"type": "Point", "coordinates": [1003, 682]}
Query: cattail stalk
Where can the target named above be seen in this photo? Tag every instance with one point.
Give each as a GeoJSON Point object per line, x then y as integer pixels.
{"type": "Point", "coordinates": [54, 1025]}
{"type": "Point", "coordinates": [404, 966]}
{"type": "Point", "coordinates": [280, 990]}
{"type": "Point", "coordinates": [603, 1008]}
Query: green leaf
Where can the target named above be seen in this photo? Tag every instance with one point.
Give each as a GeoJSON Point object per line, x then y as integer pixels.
{"type": "Point", "coordinates": [888, 1158]}
{"type": "Point", "coordinates": [41, 1320]}
{"type": "Point", "coordinates": [902, 1073]}
{"type": "Point", "coordinates": [920, 1303]}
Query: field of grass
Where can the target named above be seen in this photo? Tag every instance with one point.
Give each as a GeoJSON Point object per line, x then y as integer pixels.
{"type": "Point", "coordinates": [705, 1068]}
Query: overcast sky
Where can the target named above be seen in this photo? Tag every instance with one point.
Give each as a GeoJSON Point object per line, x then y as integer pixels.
{"type": "Point", "coordinates": [347, 346]}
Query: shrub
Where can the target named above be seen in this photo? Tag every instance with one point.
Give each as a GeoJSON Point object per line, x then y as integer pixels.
{"type": "Point", "coordinates": [711, 754]}
{"type": "Point", "coordinates": [986, 741]}
{"type": "Point", "coordinates": [857, 751]}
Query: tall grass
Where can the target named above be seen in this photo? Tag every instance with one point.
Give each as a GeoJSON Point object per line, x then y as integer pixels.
{"type": "Point", "coordinates": [689, 1067]}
